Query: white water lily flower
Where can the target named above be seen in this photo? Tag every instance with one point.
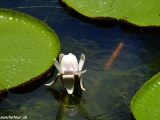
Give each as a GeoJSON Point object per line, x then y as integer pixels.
{"type": "Point", "coordinates": [68, 67]}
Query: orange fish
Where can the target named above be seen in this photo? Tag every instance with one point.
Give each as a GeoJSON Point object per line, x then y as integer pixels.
{"type": "Point", "coordinates": [114, 55]}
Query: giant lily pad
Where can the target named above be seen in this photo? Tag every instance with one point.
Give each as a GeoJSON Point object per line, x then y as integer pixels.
{"type": "Point", "coordinates": [145, 104]}
{"type": "Point", "coordinates": [137, 12]}
{"type": "Point", "coordinates": [27, 48]}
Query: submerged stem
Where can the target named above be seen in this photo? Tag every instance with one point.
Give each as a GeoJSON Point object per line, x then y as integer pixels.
{"type": "Point", "coordinates": [123, 98]}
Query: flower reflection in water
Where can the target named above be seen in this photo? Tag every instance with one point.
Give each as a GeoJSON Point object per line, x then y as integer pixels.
{"type": "Point", "coordinates": [69, 103]}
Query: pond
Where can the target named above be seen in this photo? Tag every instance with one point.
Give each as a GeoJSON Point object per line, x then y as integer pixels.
{"type": "Point", "coordinates": [109, 90]}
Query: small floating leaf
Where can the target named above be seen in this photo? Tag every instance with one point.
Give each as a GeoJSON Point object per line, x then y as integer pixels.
{"type": "Point", "coordinates": [27, 48]}
{"type": "Point", "coordinates": [145, 104]}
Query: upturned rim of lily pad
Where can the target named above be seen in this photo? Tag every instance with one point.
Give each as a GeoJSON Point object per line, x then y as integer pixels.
{"type": "Point", "coordinates": [111, 21]}
{"type": "Point", "coordinates": [145, 102]}
{"type": "Point", "coordinates": [32, 47]}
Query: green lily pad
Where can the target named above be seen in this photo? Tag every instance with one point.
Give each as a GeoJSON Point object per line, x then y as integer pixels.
{"type": "Point", "coordinates": [27, 48]}
{"type": "Point", "coordinates": [141, 13]}
{"type": "Point", "coordinates": [145, 104]}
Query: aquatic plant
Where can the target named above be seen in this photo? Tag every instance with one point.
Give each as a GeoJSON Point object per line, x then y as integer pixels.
{"type": "Point", "coordinates": [145, 103]}
{"type": "Point", "coordinates": [68, 67]}
{"type": "Point", "coordinates": [137, 12]}
{"type": "Point", "coordinates": [27, 49]}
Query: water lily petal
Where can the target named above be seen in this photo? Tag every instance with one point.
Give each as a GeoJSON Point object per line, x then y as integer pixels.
{"type": "Point", "coordinates": [81, 62]}
{"type": "Point", "coordinates": [68, 81]}
{"type": "Point", "coordinates": [60, 57]}
{"type": "Point", "coordinates": [69, 64]}
{"type": "Point", "coordinates": [81, 84]}
{"type": "Point", "coordinates": [54, 81]}
{"type": "Point", "coordinates": [74, 62]}
{"type": "Point", "coordinates": [66, 65]}
{"type": "Point", "coordinates": [57, 65]}
{"type": "Point", "coordinates": [71, 54]}
{"type": "Point", "coordinates": [81, 72]}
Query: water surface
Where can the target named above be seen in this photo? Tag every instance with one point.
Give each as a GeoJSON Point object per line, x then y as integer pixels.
{"type": "Point", "coordinates": [108, 92]}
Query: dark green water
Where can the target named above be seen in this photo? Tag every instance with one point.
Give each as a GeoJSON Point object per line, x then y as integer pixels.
{"type": "Point", "coordinates": [108, 93]}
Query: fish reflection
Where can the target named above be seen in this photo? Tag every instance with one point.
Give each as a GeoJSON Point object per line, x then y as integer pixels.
{"type": "Point", "coordinates": [70, 103]}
